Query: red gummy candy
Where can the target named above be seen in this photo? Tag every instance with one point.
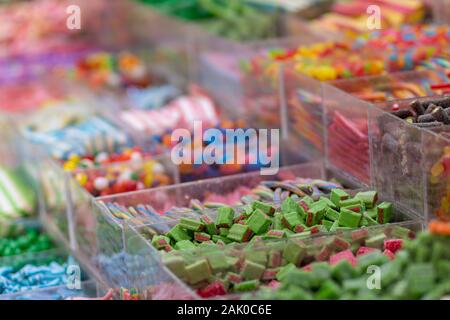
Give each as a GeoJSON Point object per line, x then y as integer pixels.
{"type": "Point", "coordinates": [273, 284]}
{"type": "Point", "coordinates": [214, 289]}
{"type": "Point", "coordinates": [364, 250]}
{"type": "Point", "coordinates": [388, 253]}
{"type": "Point", "coordinates": [393, 245]}
{"type": "Point", "coordinates": [343, 255]}
{"type": "Point", "coordinates": [308, 267]}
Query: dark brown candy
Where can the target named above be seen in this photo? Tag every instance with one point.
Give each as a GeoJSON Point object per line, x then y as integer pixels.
{"type": "Point", "coordinates": [440, 115]}
{"type": "Point", "coordinates": [403, 113]}
{"type": "Point", "coordinates": [443, 102]}
{"type": "Point", "coordinates": [429, 124]}
{"type": "Point", "coordinates": [417, 107]}
{"type": "Point", "coordinates": [430, 108]}
{"type": "Point", "coordinates": [426, 118]}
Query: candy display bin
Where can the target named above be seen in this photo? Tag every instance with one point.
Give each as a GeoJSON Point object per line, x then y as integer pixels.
{"type": "Point", "coordinates": [88, 289]}
{"type": "Point", "coordinates": [409, 161]}
{"type": "Point", "coordinates": [441, 11]}
{"type": "Point", "coordinates": [168, 41]}
{"type": "Point", "coordinates": [71, 275]}
{"type": "Point", "coordinates": [134, 267]}
{"type": "Point", "coordinates": [220, 66]}
{"type": "Point", "coordinates": [346, 134]}
{"type": "Point", "coordinates": [397, 159]}
{"type": "Point", "coordinates": [210, 271]}
{"type": "Point", "coordinates": [436, 164]}
{"type": "Point", "coordinates": [54, 206]}
{"type": "Point", "coordinates": [302, 112]}
{"type": "Point", "coordinates": [176, 197]}
{"type": "Point", "coordinates": [81, 198]}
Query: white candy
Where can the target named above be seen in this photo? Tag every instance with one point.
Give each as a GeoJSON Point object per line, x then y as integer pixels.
{"type": "Point", "coordinates": [125, 176]}
{"type": "Point", "coordinates": [101, 157]}
{"type": "Point", "coordinates": [101, 183]}
{"type": "Point", "coordinates": [158, 168]}
{"type": "Point", "coordinates": [136, 156]}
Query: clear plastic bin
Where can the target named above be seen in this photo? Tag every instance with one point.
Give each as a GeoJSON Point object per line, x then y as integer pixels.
{"type": "Point", "coordinates": [133, 267]}
{"type": "Point", "coordinates": [347, 134]}
{"type": "Point", "coordinates": [317, 248]}
{"type": "Point", "coordinates": [436, 164]}
{"type": "Point", "coordinates": [441, 11]}
{"type": "Point", "coordinates": [72, 277]}
{"type": "Point", "coordinates": [88, 289]}
{"type": "Point", "coordinates": [407, 161]}
{"type": "Point", "coordinates": [80, 203]}
{"type": "Point", "coordinates": [302, 113]}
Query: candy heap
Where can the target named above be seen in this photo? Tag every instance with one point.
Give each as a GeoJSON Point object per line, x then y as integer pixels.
{"type": "Point", "coordinates": [350, 17]}
{"type": "Point", "coordinates": [229, 19]}
{"type": "Point", "coordinates": [407, 48]}
{"type": "Point", "coordinates": [32, 277]}
{"type": "Point", "coordinates": [90, 135]}
{"type": "Point", "coordinates": [179, 113]}
{"type": "Point", "coordinates": [123, 177]}
{"type": "Point", "coordinates": [427, 113]}
{"type": "Point", "coordinates": [16, 198]}
{"type": "Point", "coordinates": [296, 218]}
{"type": "Point", "coordinates": [214, 271]}
{"type": "Point", "coordinates": [268, 191]}
{"type": "Point", "coordinates": [395, 86]}
{"type": "Point", "coordinates": [416, 269]}
{"type": "Point", "coordinates": [103, 69]}
{"type": "Point", "coordinates": [29, 241]}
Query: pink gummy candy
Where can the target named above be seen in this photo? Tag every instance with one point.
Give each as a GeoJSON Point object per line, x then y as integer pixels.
{"type": "Point", "coordinates": [388, 253]}
{"type": "Point", "coordinates": [273, 284]}
{"type": "Point", "coordinates": [343, 255]}
{"type": "Point", "coordinates": [393, 245]}
{"type": "Point", "coordinates": [364, 250]}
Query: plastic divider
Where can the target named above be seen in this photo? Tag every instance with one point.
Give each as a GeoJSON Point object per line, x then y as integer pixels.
{"type": "Point", "coordinates": [436, 146]}
{"type": "Point", "coordinates": [347, 134]}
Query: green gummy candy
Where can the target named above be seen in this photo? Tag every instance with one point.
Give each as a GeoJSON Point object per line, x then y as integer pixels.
{"type": "Point", "coordinates": [252, 270]}
{"type": "Point", "coordinates": [239, 233]}
{"type": "Point", "coordinates": [368, 197]}
{"type": "Point", "coordinates": [191, 224]}
{"type": "Point", "coordinates": [184, 245]}
{"type": "Point", "coordinates": [421, 279]}
{"type": "Point", "coordinates": [264, 207]}
{"type": "Point", "coordinates": [178, 233]}
{"type": "Point", "coordinates": [294, 251]}
{"type": "Point", "coordinates": [198, 271]}
{"type": "Point", "coordinates": [281, 275]}
{"type": "Point", "coordinates": [376, 241]}
{"type": "Point", "coordinates": [159, 242]}
{"type": "Point", "coordinates": [225, 217]}
{"type": "Point", "coordinates": [348, 218]}
{"type": "Point", "coordinates": [290, 205]}
{"type": "Point", "coordinates": [337, 195]}
{"type": "Point", "coordinates": [246, 286]}
{"type": "Point", "coordinates": [291, 219]}
{"type": "Point", "coordinates": [218, 262]}
{"type": "Point", "coordinates": [259, 222]}
{"type": "Point", "coordinates": [176, 265]}
{"type": "Point", "coordinates": [384, 212]}
{"type": "Point", "coordinates": [332, 214]}
{"type": "Point", "coordinates": [329, 290]}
